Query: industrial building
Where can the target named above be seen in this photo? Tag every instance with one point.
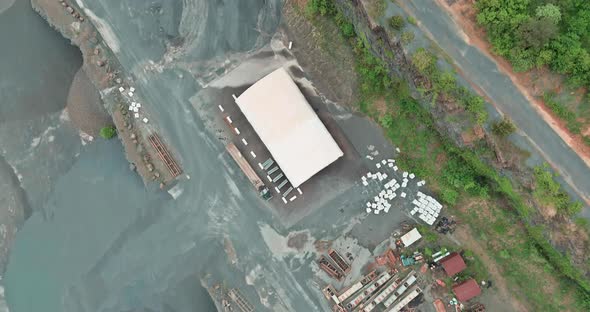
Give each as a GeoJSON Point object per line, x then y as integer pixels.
{"type": "Point", "coordinates": [288, 126]}
{"type": "Point", "coordinates": [466, 290]}
{"type": "Point", "coordinates": [453, 264]}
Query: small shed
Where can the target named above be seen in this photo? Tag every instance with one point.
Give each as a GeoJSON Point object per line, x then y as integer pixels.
{"type": "Point", "coordinates": [467, 290]}
{"type": "Point", "coordinates": [453, 263]}
{"type": "Point", "coordinates": [411, 237]}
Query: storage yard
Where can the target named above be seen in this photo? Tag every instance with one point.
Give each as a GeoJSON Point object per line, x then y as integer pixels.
{"type": "Point", "coordinates": [400, 278]}
{"type": "Point", "coordinates": [357, 271]}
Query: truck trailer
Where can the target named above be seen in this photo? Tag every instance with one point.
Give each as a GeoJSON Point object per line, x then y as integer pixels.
{"type": "Point", "coordinates": [235, 153]}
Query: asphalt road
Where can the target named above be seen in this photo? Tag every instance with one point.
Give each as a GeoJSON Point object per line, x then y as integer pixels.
{"type": "Point", "coordinates": [483, 71]}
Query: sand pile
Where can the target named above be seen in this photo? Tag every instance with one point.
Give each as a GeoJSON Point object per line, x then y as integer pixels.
{"type": "Point", "coordinates": [85, 106]}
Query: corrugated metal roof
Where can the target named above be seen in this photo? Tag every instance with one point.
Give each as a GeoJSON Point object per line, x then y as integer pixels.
{"type": "Point", "coordinates": [453, 264]}
{"type": "Point", "coordinates": [467, 290]}
{"type": "Point", "coordinates": [411, 237]}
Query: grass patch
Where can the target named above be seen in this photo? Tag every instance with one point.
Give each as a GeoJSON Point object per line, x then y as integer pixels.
{"type": "Point", "coordinates": [563, 112]}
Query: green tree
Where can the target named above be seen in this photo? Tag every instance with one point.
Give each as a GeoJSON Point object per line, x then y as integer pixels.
{"type": "Point", "coordinates": [503, 128]}
{"type": "Point", "coordinates": [536, 33]}
{"type": "Point", "coordinates": [549, 11]}
{"type": "Point", "coordinates": [397, 22]}
{"type": "Point", "coordinates": [108, 132]}
{"type": "Point", "coordinates": [424, 61]}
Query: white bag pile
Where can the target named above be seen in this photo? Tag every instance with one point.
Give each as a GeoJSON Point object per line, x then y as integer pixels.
{"type": "Point", "coordinates": [427, 208]}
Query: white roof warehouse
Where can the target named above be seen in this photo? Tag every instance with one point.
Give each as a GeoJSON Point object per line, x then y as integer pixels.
{"type": "Point", "coordinates": [295, 136]}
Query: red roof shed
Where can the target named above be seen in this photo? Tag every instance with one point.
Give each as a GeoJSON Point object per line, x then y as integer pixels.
{"type": "Point", "coordinates": [453, 264]}
{"type": "Point", "coordinates": [467, 290]}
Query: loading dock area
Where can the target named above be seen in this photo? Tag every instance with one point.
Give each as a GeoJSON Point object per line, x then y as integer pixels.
{"type": "Point", "coordinates": [290, 202]}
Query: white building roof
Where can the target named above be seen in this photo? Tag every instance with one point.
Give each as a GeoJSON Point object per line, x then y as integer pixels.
{"type": "Point", "coordinates": [295, 136]}
{"type": "Point", "coordinates": [411, 237]}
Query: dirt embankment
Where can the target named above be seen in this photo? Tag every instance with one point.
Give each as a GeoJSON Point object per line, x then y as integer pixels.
{"type": "Point", "coordinates": [464, 15]}
{"type": "Point", "coordinates": [85, 107]}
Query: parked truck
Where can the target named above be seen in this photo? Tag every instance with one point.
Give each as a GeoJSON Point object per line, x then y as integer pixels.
{"type": "Point", "coordinates": [235, 153]}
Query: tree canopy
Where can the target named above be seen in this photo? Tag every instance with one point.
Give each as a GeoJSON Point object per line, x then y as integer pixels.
{"type": "Point", "coordinates": [535, 33]}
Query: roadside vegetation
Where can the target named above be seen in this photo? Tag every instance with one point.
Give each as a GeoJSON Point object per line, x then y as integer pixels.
{"type": "Point", "coordinates": [503, 128]}
{"type": "Point", "coordinates": [537, 33]}
{"type": "Point", "coordinates": [443, 84]}
{"type": "Point", "coordinates": [397, 22]}
{"type": "Point", "coordinates": [497, 211]}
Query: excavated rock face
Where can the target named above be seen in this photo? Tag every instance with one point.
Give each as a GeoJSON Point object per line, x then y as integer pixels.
{"type": "Point", "coordinates": [391, 51]}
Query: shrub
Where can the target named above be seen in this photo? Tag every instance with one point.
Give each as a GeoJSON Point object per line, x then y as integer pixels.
{"type": "Point", "coordinates": [424, 61]}
{"type": "Point", "coordinates": [386, 121]}
{"type": "Point", "coordinates": [429, 235]}
{"type": "Point", "coordinates": [322, 7]}
{"type": "Point", "coordinates": [397, 22]}
{"type": "Point", "coordinates": [412, 20]}
{"type": "Point", "coordinates": [108, 132]}
{"type": "Point", "coordinates": [476, 105]}
{"type": "Point", "coordinates": [503, 128]}
{"type": "Point", "coordinates": [549, 192]}
{"type": "Point", "coordinates": [449, 196]}
{"type": "Point", "coordinates": [407, 37]}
